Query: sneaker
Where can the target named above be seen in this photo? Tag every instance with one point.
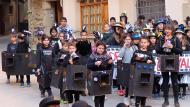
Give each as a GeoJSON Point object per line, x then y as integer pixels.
{"type": "Point", "coordinates": [177, 104]}
{"type": "Point", "coordinates": [132, 101]}
{"type": "Point", "coordinates": [28, 85]}
{"type": "Point", "coordinates": [165, 104]}
{"type": "Point", "coordinates": [8, 81]}
{"type": "Point", "coordinates": [42, 95]}
{"type": "Point", "coordinates": [126, 101]}
{"type": "Point", "coordinates": [63, 102]}
{"type": "Point", "coordinates": [50, 93]}
{"type": "Point", "coordinates": [22, 85]}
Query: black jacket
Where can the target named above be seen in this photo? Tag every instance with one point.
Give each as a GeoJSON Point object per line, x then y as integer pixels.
{"type": "Point", "coordinates": [22, 47]}
{"type": "Point", "coordinates": [147, 55]}
{"type": "Point", "coordinates": [177, 49]}
{"type": "Point", "coordinates": [54, 44]}
{"type": "Point", "coordinates": [95, 57]}
{"type": "Point", "coordinates": [11, 48]}
{"type": "Point", "coordinates": [46, 58]}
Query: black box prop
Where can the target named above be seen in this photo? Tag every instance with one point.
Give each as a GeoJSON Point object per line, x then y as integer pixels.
{"type": "Point", "coordinates": [17, 64]}
{"type": "Point", "coordinates": [74, 78]}
{"type": "Point", "coordinates": [141, 80]}
{"type": "Point", "coordinates": [99, 82]}
{"type": "Point", "coordinates": [169, 63]}
{"type": "Point", "coordinates": [123, 73]}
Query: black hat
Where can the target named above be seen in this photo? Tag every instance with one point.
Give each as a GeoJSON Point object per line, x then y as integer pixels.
{"type": "Point", "coordinates": [117, 24]}
{"type": "Point", "coordinates": [81, 104]}
{"type": "Point", "coordinates": [48, 101]}
{"type": "Point", "coordinates": [180, 31]}
{"type": "Point", "coordinates": [152, 34]}
{"type": "Point", "coordinates": [84, 28]}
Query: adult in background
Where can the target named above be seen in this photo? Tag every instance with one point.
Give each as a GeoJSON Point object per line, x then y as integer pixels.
{"type": "Point", "coordinates": [116, 38]}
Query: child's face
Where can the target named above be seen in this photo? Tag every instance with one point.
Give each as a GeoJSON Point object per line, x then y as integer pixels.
{"type": "Point", "coordinates": [13, 38]}
{"type": "Point", "coordinates": [53, 33]}
{"type": "Point", "coordinates": [112, 22]}
{"type": "Point", "coordinates": [188, 23]}
{"type": "Point", "coordinates": [136, 41]}
{"type": "Point", "coordinates": [144, 43]}
{"type": "Point", "coordinates": [61, 37]}
{"type": "Point", "coordinates": [168, 32]}
{"type": "Point", "coordinates": [106, 27]}
{"type": "Point", "coordinates": [161, 26]}
{"type": "Point", "coordinates": [100, 49]}
{"type": "Point", "coordinates": [188, 33]}
{"type": "Point", "coordinates": [128, 40]}
{"type": "Point", "coordinates": [46, 42]}
{"type": "Point", "coordinates": [63, 23]}
{"type": "Point", "coordinates": [179, 36]}
{"type": "Point", "coordinates": [118, 30]}
{"type": "Point", "coordinates": [72, 49]}
{"type": "Point", "coordinates": [153, 40]}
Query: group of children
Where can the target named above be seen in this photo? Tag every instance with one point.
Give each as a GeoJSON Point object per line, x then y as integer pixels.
{"type": "Point", "coordinates": [147, 39]}
{"type": "Point", "coordinates": [18, 45]}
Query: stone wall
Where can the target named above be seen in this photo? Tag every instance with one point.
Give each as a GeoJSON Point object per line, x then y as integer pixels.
{"type": "Point", "coordinates": [40, 13]}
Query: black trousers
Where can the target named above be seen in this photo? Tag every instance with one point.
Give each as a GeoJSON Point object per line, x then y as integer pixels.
{"type": "Point", "coordinates": [99, 101]}
{"type": "Point", "coordinates": [69, 95]}
{"type": "Point", "coordinates": [174, 79]}
{"type": "Point", "coordinates": [156, 85]}
{"type": "Point", "coordinates": [8, 76]}
{"type": "Point", "coordinates": [62, 94]}
{"type": "Point", "coordinates": [140, 101]}
{"type": "Point", "coordinates": [22, 78]}
{"type": "Point", "coordinates": [46, 83]}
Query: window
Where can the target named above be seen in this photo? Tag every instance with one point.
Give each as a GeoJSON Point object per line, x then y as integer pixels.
{"type": "Point", "coordinates": [151, 8]}
{"type": "Point", "coordinates": [94, 13]}
{"type": "Point", "coordinates": [10, 10]}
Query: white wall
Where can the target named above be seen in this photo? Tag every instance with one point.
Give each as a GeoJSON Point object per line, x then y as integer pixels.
{"type": "Point", "coordinates": [174, 8]}
{"type": "Point", "coordinates": [71, 10]}
{"type": "Point", "coordinates": [129, 6]}
{"type": "Point", "coordinates": [116, 7]}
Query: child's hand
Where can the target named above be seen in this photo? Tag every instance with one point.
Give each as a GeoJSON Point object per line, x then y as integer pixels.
{"type": "Point", "coordinates": [98, 63]}
{"type": "Point", "coordinates": [71, 61]}
{"type": "Point", "coordinates": [38, 71]}
{"type": "Point", "coordinates": [57, 72]}
{"type": "Point", "coordinates": [149, 61]}
{"type": "Point", "coordinates": [170, 46]}
{"type": "Point", "coordinates": [110, 61]}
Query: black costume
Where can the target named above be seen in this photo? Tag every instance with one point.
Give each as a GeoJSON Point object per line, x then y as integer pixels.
{"type": "Point", "coordinates": [46, 64]}
{"type": "Point", "coordinates": [22, 47]}
{"type": "Point", "coordinates": [99, 100]}
{"type": "Point", "coordinates": [11, 48]}
{"type": "Point", "coordinates": [176, 50]}
{"type": "Point", "coordinates": [147, 55]}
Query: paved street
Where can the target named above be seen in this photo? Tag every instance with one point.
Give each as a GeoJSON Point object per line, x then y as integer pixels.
{"type": "Point", "coordinates": [12, 95]}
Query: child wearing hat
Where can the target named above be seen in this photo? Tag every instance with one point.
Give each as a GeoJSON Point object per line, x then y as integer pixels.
{"type": "Point", "coordinates": [11, 49]}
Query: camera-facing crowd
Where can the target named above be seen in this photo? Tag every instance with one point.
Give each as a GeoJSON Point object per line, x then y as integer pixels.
{"type": "Point", "coordinates": [139, 43]}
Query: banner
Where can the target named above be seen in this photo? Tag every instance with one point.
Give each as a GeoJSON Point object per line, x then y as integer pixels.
{"type": "Point", "coordinates": [184, 60]}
